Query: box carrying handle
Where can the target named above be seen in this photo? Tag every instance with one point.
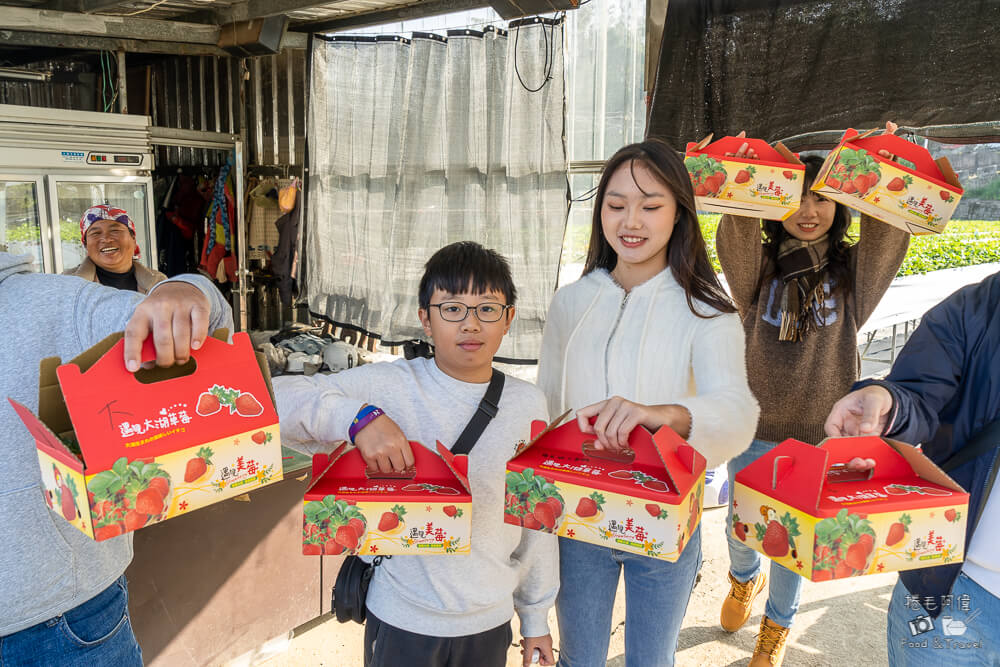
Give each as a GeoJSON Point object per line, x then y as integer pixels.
{"type": "Point", "coordinates": [591, 451]}
{"type": "Point", "coordinates": [783, 465]}
{"type": "Point", "coordinates": [839, 473]}
{"type": "Point", "coordinates": [405, 473]}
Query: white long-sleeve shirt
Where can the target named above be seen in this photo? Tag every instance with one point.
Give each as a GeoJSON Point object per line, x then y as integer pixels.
{"type": "Point", "coordinates": [648, 347]}
{"type": "Point", "coordinates": [509, 568]}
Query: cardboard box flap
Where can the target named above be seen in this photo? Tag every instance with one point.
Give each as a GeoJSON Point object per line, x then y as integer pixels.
{"type": "Point", "coordinates": [789, 156]}
{"type": "Point", "coordinates": [135, 416]}
{"type": "Point", "coordinates": [792, 473]}
{"type": "Point", "coordinates": [923, 466]}
{"type": "Point", "coordinates": [321, 463]}
{"type": "Point", "coordinates": [682, 462]}
{"type": "Point", "coordinates": [539, 430]}
{"type": "Point", "coordinates": [457, 463]}
{"type": "Point", "coordinates": [766, 154]}
{"type": "Point", "coordinates": [46, 440]}
{"type": "Point", "coordinates": [949, 174]}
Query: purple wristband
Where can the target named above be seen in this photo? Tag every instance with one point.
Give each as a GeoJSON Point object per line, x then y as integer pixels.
{"type": "Point", "coordinates": [365, 416]}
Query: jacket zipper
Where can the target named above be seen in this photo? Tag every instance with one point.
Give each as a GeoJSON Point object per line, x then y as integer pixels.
{"type": "Point", "coordinates": [607, 349]}
{"type": "Point", "coordinates": [991, 476]}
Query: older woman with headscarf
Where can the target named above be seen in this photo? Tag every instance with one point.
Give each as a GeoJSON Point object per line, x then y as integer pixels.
{"type": "Point", "coordinates": [108, 234]}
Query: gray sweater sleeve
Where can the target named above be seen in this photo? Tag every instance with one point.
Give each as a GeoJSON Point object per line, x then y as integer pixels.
{"type": "Point", "coordinates": [100, 311]}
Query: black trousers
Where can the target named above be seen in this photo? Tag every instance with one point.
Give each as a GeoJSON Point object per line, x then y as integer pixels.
{"type": "Point", "coordinates": [389, 646]}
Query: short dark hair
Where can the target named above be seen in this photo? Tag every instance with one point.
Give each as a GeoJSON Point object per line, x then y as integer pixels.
{"type": "Point", "coordinates": [466, 266]}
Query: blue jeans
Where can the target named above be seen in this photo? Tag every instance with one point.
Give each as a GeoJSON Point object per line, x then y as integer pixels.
{"type": "Point", "coordinates": [938, 640]}
{"type": "Point", "coordinates": [744, 562]}
{"type": "Point", "coordinates": [656, 596]}
{"type": "Point", "coordinates": [96, 633]}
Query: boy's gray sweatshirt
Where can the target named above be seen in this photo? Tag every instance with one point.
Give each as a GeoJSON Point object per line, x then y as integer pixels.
{"type": "Point", "coordinates": [509, 568]}
{"type": "Point", "coordinates": [47, 566]}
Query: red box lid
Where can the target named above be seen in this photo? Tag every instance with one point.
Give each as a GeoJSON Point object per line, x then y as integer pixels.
{"type": "Point", "coordinates": [434, 477]}
{"type": "Point", "coordinates": [815, 480]}
{"type": "Point", "coordinates": [661, 467]}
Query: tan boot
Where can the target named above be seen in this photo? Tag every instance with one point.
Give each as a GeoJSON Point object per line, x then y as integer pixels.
{"type": "Point", "coordinates": [770, 650]}
{"type": "Point", "coordinates": [736, 607]}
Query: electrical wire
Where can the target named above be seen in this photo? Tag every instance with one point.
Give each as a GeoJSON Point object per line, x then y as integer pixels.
{"type": "Point", "coordinates": [547, 66]}
{"type": "Point", "coordinates": [143, 11]}
{"type": "Point", "coordinates": [586, 196]}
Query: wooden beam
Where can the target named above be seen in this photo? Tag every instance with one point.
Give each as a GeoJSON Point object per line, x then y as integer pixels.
{"type": "Point", "coordinates": [88, 43]}
{"type": "Point", "coordinates": [67, 23]}
{"type": "Point", "coordinates": [414, 11]}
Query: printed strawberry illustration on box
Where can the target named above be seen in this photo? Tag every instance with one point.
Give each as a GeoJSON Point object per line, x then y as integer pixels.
{"type": "Point", "coordinates": [821, 519]}
{"type": "Point", "coordinates": [768, 187]}
{"type": "Point", "coordinates": [646, 499]}
{"type": "Point", "coordinates": [133, 450]}
{"type": "Point", "coordinates": [350, 510]}
{"type": "Point", "coordinates": [911, 191]}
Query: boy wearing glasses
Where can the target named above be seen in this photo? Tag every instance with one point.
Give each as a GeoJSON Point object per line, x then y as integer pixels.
{"type": "Point", "coordinates": [452, 611]}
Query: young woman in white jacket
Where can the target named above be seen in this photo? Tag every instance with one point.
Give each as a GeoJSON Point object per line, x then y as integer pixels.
{"type": "Point", "coordinates": [647, 337]}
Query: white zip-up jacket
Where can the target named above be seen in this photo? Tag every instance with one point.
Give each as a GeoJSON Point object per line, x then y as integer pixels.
{"type": "Point", "coordinates": [648, 347]}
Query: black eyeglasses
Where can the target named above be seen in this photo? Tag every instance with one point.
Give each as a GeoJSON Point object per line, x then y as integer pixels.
{"type": "Point", "coordinates": [455, 311]}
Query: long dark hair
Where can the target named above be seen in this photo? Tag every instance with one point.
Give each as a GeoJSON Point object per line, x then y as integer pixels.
{"type": "Point", "coordinates": [686, 253]}
{"type": "Point", "coordinates": [838, 259]}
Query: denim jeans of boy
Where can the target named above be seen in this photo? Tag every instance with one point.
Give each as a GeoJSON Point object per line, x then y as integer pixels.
{"type": "Point", "coordinates": [656, 597]}
{"type": "Point", "coordinates": [964, 634]}
{"type": "Point", "coordinates": [96, 633]}
{"type": "Point", "coordinates": [785, 586]}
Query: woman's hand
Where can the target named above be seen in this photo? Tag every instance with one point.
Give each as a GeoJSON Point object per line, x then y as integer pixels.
{"type": "Point", "coordinates": [890, 128]}
{"type": "Point", "coordinates": [614, 419]}
{"type": "Point", "coordinates": [744, 151]}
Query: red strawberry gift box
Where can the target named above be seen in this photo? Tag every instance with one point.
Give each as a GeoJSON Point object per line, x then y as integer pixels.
{"type": "Point", "coordinates": [920, 197]}
{"type": "Point", "coordinates": [424, 510]}
{"type": "Point", "coordinates": [800, 506]}
{"type": "Point", "coordinates": [768, 187]}
{"type": "Point", "coordinates": [646, 500]}
{"type": "Point", "coordinates": [119, 451]}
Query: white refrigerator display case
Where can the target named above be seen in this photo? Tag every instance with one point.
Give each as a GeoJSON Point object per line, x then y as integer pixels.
{"type": "Point", "coordinates": [54, 164]}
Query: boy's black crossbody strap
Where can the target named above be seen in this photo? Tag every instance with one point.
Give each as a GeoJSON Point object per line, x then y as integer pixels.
{"type": "Point", "coordinates": [486, 411]}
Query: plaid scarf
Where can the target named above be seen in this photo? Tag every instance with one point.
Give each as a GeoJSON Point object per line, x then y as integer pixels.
{"type": "Point", "coordinates": [800, 266]}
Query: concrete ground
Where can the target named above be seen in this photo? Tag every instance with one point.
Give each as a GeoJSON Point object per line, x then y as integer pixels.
{"type": "Point", "coordinates": [839, 623]}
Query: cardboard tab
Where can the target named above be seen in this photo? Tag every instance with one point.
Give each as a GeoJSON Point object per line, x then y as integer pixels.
{"type": "Point", "coordinates": [649, 504]}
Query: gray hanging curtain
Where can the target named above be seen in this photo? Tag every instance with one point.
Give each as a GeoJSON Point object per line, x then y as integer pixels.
{"type": "Point", "coordinates": [778, 68]}
{"type": "Point", "coordinates": [415, 144]}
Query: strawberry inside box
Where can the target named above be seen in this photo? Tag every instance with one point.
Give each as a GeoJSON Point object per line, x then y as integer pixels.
{"type": "Point", "coordinates": [913, 191]}
{"type": "Point", "coordinates": [118, 451]}
{"type": "Point", "coordinates": [424, 510]}
{"type": "Point", "coordinates": [769, 186]}
{"type": "Point", "coordinates": [803, 507]}
{"type": "Point", "coordinates": [645, 500]}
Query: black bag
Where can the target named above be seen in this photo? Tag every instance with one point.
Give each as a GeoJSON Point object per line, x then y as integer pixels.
{"type": "Point", "coordinates": [351, 588]}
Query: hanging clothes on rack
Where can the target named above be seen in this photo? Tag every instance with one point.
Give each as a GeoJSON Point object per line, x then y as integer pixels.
{"type": "Point", "coordinates": [218, 243]}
